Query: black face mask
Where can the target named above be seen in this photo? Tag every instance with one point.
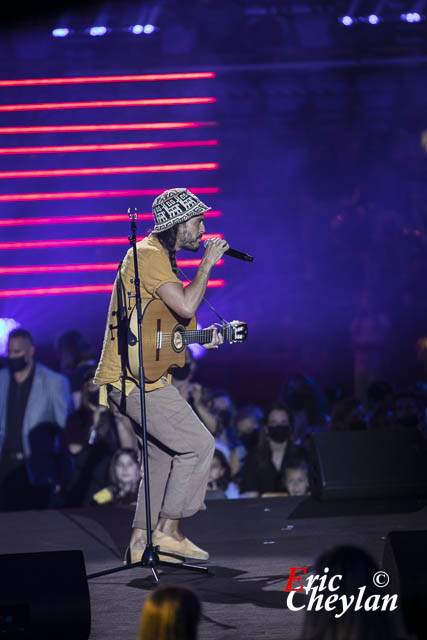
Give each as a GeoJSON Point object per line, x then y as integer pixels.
{"type": "Point", "coordinates": [278, 434]}
{"type": "Point", "coordinates": [409, 422]}
{"type": "Point", "coordinates": [181, 373]}
{"type": "Point", "coordinates": [93, 397]}
{"type": "Point", "coordinates": [16, 364]}
{"type": "Point", "coordinates": [250, 440]}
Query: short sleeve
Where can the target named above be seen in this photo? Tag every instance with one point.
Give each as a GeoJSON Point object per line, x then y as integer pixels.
{"type": "Point", "coordinates": [155, 270]}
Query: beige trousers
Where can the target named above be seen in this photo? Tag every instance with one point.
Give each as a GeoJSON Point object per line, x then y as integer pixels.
{"type": "Point", "coordinates": [180, 450]}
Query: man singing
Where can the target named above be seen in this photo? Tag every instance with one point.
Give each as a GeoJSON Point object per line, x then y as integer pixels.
{"type": "Point", "coordinates": [180, 448]}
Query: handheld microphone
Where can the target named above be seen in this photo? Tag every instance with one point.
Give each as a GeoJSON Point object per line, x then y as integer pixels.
{"type": "Point", "coordinates": [233, 253]}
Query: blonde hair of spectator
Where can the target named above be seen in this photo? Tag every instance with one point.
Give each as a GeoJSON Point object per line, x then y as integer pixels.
{"type": "Point", "coordinates": [170, 613]}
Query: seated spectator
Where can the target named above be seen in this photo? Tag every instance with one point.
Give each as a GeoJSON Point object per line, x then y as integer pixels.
{"type": "Point", "coordinates": [216, 412]}
{"type": "Point", "coordinates": [309, 407]}
{"type": "Point", "coordinates": [296, 479]}
{"type": "Point", "coordinates": [170, 613]}
{"type": "Point", "coordinates": [245, 435]}
{"type": "Point", "coordinates": [219, 485]}
{"type": "Point", "coordinates": [76, 358]}
{"type": "Point", "coordinates": [34, 403]}
{"type": "Point", "coordinates": [348, 415]}
{"type": "Point", "coordinates": [213, 411]}
{"type": "Point", "coordinates": [264, 465]}
{"type": "Point", "coordinates": [356, 568]}
{"type": "Point", "coordinates": [409, 410]}
{"type": "Point", "coordinates": [92, 439]}
{"type": "Point", "coordinates": [124, 478]}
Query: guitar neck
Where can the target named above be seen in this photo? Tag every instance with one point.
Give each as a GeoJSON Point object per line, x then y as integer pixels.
{"type": "Point", "coordinates": [205, 335]}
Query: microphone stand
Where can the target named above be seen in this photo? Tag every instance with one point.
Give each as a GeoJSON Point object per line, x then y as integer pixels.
{"type": "Point", "coordinates": [150, 556]}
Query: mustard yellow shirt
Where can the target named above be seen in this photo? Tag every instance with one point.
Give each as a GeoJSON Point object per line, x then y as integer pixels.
{"type": "Point", "coordinates": [154, 270]}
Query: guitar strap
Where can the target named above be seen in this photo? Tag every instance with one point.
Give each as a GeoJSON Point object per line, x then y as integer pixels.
{"type": "Point", "coordinates": [205, 300]}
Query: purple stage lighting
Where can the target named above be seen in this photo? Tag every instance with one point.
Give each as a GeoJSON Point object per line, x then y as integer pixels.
{"type": "Point", "coordinates": [6, 326]}
{"type": "Point", "coordinates": [60, 32]}
{"type": "Point", "coordinates": [98, 31]}
{"type": "Point", "coordinates": [137, 29]}
{"type": "Point", "coordinates": [347, 21]}
{"type": "Point", "coordinates": [373, 19]}
{"type": "Point", "coordinates": [149, 28]}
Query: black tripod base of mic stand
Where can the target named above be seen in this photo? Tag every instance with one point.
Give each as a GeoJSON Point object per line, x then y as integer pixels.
{"type": "Point", "coordinates": [150, 559]}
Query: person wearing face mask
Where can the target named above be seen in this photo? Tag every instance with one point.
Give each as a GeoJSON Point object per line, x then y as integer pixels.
{"type": "Point", "coordinates": [34, 404]}
{"type": "Point", "coordinates": [263, 468]}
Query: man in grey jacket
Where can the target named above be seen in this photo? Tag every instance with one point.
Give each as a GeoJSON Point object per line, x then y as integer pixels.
{"type": "Point", "coordinates": [34, 405]}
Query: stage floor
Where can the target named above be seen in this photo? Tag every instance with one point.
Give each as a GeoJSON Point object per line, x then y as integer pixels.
{"type": "Point", "coordinates": [252, 545]}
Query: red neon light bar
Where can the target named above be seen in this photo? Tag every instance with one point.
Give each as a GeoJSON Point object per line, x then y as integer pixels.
{"type": "Point", "coordinates": [93, 104]}
{"type": "Point", "coordinates": [130, 146]}
{"type": "Point", "coordinates": [104, 171]}
{"type": "Point", "coordinates": [79, 242]}
{"type": "Point", "coordinates": [114, 217]}
{"type": "Point", "coordinates": [91, 288]}
{"type": "Point", "coordinates": [73, 268]}
{"type": "Point", "coordinates": [77, 195]}
{"type": "Point", "coordinates": [135, 126]}
{"type": "Point", "coordinates": [151, 77]}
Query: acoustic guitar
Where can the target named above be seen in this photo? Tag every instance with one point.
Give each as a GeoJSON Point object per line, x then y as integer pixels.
{"type": "Point", "coordinates": [165, 337]}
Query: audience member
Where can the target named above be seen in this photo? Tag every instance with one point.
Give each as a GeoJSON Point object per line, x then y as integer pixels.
{"type": "Point", "coordinates": [309, 407]}
{"type": "Point", "coordinates": [409, 410]}
{"type": "Point", "coordinates": [38, 454]}
{"type": "Point", "coordinates": [264, 465]}
{"type": "Point", "coordinates": [34, 403]}
{"type": "Point", "coordinates": [124, 477]}
{"type": "Point", "coordinates": [92, 439]}
{"type": "Point", "coordinates": [170, 613]}
{"type": "Point", "coordinates": [245, 435]}
{"type": "Point", "coordinates": [222, 410]}
{"type": "Point", "coordinates": [196, 396]}
{"type": "Point", "coordinates": [76, 357]}
{"type": "Point", "coordinates": [348, 415]}
{"type": "Point", "coordinates": [296, 481]}
{"type": "Point", "coordinates": [356, 568]}
{"type": "Point", "coordinates": [219, 485]}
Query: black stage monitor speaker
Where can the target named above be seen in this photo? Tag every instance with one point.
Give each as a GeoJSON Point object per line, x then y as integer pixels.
{"type": "Point", "coordinates": [44, 595]}
{"type": "Point", "coordinates": [368, 464]}
{"type": "Point", "coordinates": [405, 561]}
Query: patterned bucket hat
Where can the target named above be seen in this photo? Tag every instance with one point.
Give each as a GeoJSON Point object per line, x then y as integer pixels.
{"type": "Point", "coordinates": [175, 206]}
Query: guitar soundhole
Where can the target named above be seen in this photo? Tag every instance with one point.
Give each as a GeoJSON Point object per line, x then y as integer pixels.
{"type": "Point", "coordinates": [178, 343]}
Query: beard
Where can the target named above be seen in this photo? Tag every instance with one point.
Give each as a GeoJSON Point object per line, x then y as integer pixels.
{"type": "Point", "coordinates": [190, 244]}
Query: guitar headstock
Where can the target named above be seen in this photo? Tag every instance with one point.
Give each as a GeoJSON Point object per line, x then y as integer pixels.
{"type": "Point", "coordinates": [238, 331]}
